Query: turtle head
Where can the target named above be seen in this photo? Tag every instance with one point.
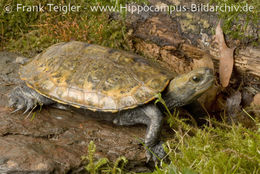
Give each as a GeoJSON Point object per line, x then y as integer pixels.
{"type": "Point", "coordinates": [188, 87]}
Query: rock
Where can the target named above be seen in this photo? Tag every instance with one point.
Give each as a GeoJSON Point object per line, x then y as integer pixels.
{"type": "Point", "coordinates": [55, 140]}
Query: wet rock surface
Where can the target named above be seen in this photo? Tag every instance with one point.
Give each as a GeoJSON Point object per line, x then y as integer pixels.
{"type": "Point", "coordinates": [55, 140]}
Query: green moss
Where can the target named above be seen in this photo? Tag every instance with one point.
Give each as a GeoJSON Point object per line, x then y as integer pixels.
{"type": "Point", "coordinates": [15, 24]}
{"type": "Point", "coordinates": [233, 149]}
{"type": "Point", "coordinates": [219, 148]}
{"type": "Point", "coordinates": [239, 24]}
{"type": "Point", "coordinates": [31, 32]}
{"type": "Point", "coordinates": [219, 151]}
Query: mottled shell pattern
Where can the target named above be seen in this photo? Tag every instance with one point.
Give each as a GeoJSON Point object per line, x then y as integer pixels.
{"type": "Point", "coordinates": [94, 77]}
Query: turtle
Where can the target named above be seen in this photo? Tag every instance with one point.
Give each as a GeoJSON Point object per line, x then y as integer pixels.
{"type": "Point", "coordinates": [115, 83]}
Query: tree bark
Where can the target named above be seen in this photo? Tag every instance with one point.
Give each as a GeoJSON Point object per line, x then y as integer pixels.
{"type": "Point", "coordinates": [183, 41]}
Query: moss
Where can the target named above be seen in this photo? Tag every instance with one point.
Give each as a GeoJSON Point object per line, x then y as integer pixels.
{"type": "Point", "coordinates": [187, 26]}
{"type": "Point", "coordinates": [218, 148]}
{"type": "Point", "coordinates": [205, 23]}
{"type": "Point", "coordinates": [31, 32]}
{"type": "Point", "coordinates": [222, 151]}
{"type": "Point", "coordinates": [240, 24]}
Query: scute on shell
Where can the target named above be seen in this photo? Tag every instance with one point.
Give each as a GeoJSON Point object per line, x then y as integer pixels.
{"type": "Point", "coordinates": [94, 77]}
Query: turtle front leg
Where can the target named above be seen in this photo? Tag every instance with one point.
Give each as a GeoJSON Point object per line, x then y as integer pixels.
{"type": "Point", "coordinates": [151, 116]}
{"type": "Point", "coordinates": [25, 98]}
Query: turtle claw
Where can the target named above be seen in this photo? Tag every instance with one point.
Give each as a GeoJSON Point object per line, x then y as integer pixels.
{"type": "Point", "coordinates": [148, 157]}
{"type": "Point", "coordinates": [15, 111]}
{"type": "Point", "coordinates": [155, 153]}
{"type": "Point", "coordinates": [29, 105]}
{"type": "Point", "coordinates": [18, 108]}
{"type": "Point", "coordinates": [16, 102]}
{"type": "Point", "coordinates": [19, 102]}
{"type": "Point", "coordinates": [27, 109]}
{"type": "Point", "coordinates": [25, 98]}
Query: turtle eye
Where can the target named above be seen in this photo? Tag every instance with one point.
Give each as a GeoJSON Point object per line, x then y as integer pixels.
{"type": "Point", "coordinates": [196, 79]}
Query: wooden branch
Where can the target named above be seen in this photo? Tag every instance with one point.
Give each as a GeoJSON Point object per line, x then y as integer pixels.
{"type": "Point", "coordinates": [164, 38]}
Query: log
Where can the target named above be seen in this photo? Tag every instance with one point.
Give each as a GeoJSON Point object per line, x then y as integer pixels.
{"type": "Point", "coordinates": [181, 40]}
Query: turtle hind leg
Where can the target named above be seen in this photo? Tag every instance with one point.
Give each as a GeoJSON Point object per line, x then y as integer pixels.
{"type": "Point", "coordinates": [25, 98]}
{"type": "Point", "coordinates": [152, 117]}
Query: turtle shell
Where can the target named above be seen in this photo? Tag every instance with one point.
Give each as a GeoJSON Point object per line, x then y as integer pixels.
{"type": "Point", "coordinates": [94, 77]}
